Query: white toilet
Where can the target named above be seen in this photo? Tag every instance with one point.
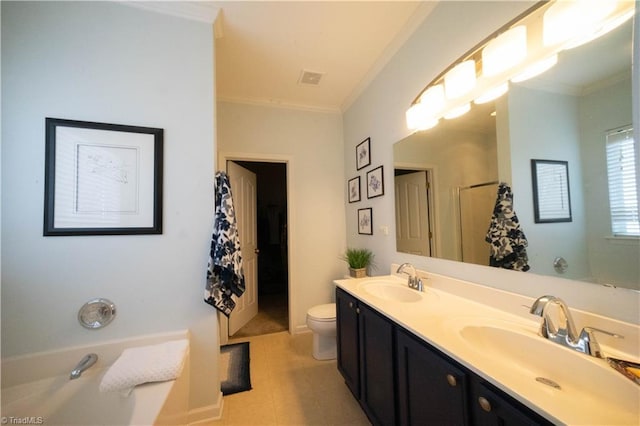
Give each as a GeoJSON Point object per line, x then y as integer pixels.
{"type": "Point", "coordinates": [321, 320]}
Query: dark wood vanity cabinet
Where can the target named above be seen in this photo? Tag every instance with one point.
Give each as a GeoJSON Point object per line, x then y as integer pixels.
{"type": "Point", "coordinates": [365, 357]}
{"type": "Point", "coordinates": [432, 390]}
{"type": "Point", "coordinates": [348, 349]}
{"type": "Point", "coordinates": [492, 407]}
{"type": "Point", "coordinates": [399, 379]}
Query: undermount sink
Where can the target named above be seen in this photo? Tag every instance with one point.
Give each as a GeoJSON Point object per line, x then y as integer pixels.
{"type": "Point", "coordinates": [392, 289]}
{"type": "Point", "coordinates": [517, 349]}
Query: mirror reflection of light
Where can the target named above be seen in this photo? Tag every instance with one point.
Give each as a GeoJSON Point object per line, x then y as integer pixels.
{"type": "Point", "coordinates": [536, 69]}
{"type": "Point", "coordinates": [458, 111]}
{"type": "Point", "coordinates": [567, 20]}
{"type": "Point", "coordinates": [599, 32]}
{"type": "Point", "coordinates": [492, 94]}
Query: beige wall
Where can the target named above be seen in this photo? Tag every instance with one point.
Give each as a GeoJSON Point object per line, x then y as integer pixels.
{"type": "Point", "coordinates": [311, 144]}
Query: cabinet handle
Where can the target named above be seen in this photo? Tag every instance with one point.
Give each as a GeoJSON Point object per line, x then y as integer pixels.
{"type": "Point", "coordinates": [484, 404]}
{"type": "Point", "coordinates": [351, 304]}
{"type": "Point", "coordinates": [357, 310]}
{"type": "Point", "coordinates": [451, 379]}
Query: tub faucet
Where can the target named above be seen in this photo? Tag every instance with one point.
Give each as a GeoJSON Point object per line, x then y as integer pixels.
{"type": "Point", "coordinates": [566, 334]}
{"type": "Point", "coordinates": [84, 364]}
{"type": "Point", "coordinates": [413, 281]}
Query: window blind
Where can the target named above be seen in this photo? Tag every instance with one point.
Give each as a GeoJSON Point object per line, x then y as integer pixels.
{"type": "Point", "coordinates": [621, 171]}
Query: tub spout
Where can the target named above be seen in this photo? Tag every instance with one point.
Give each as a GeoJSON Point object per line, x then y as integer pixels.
{"type": "Point", "coordinates": [85, 363]}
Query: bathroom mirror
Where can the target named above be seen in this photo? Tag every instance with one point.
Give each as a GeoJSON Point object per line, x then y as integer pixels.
{"type": "Point", "coordinates": [562, 115]}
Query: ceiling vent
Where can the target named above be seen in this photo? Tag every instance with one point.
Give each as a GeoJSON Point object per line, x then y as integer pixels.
{"type": "Point", "coordinates": [311, 78]}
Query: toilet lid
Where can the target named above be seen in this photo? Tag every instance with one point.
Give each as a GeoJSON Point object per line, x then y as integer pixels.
{"type": "Point", "coordinates": [326, 312]}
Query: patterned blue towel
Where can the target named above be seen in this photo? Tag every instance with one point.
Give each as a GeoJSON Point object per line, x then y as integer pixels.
{"type": "Point", "coordinates": [508, 242]}
{"type": "Point", "coordinates": [225, 276]}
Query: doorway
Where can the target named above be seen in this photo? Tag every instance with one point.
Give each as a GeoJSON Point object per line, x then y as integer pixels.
{"type": "Point", "coordinates": [272, 229]}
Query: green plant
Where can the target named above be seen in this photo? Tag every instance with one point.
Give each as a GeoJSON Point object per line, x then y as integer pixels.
{"type": "Point", "coordinates": [358, 258]}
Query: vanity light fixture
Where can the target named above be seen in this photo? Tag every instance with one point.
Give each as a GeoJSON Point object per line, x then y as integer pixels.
{"type": "Point", "coordinates": [505, 51]}
{"type": "Point", "coordinates": [434, 100]}
{"type": "Point", "coordinates": [418, 118]}
{"type": "Point", "coordinates": [524, 48]}
{"type": "Point", "coordinates": [460, 80]}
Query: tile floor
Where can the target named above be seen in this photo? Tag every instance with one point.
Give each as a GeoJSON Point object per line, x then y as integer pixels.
{"type": "Point", "coordinates": [290, 387]}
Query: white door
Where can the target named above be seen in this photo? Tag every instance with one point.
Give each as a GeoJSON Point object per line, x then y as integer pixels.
{"type": "Point", "coordinates": [243, 189]}
{"type": "Point", "coordinates": [476, 209]}
{"type": "Point", "coordinates": [412, 214]}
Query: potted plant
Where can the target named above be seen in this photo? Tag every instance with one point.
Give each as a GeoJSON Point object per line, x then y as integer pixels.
{"type": "Point", "coordinates": [359, 260]}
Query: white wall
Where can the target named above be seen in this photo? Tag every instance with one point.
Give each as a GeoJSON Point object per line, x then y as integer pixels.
{"type": "Point", "coordinates": [546, 126]}
{"type": "Point", "coordinates": [379, 113]}
{"type": "Point", "coordinates": [612, 259]}
{"type": "Point", "coordinates": [312, 144]}
{"type": "Point", "coordinates": [107, 62]}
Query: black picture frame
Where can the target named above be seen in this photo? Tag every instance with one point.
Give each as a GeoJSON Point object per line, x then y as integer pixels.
{"type": "Point", "coordinates": [375, 182]}
{"type": "Point", "coordinates": [363, 154]}
{"type": "Point", "coordinates": [551, 191]}
{"type": "Point", "coordinates": [365, 221]}
{"type": "Point", "coordinates": [353, 189]}
{"type": "Point", "coordinates": [102, 178]}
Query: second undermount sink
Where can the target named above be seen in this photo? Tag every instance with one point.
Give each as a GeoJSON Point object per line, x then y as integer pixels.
{"type": "Point", "coordinates": [518, 350]}
{"type": "Point", "coordinates": [391, 289]}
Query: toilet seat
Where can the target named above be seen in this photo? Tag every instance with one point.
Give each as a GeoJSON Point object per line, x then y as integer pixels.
{"type": "Point", "coordinates": [323, 313]}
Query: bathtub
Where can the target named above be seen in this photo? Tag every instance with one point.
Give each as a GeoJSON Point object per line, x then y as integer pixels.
{"type": "Point", "coordinates": [36, 389]}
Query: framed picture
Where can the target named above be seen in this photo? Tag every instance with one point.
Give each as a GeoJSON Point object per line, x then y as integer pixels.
{"type": "Point", "coordinates": [354, 189]}
{"type": "Point", "coordinates": [102, 179]}
{"type": "Point", "coordinates": [363, 154]}
{"type": "Point", "coordinates": [365, 221]}
{"type": "Point", "coordinates": [551, 198]}
{"type": "Point", "coordinates": [375, 182]}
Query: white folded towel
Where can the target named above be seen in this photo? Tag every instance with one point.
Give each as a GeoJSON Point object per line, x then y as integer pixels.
{"type": "Point", "coordinates": [154, 363]}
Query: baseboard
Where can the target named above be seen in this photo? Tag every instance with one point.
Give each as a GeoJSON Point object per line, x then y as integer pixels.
{"type": "Point", "coordinates": [204, 415]}
{"type": "Point", "coordinates": [301, 329]}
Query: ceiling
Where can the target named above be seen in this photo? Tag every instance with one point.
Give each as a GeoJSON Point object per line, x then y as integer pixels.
{"type": "Point", "coordinates": [263, 47]}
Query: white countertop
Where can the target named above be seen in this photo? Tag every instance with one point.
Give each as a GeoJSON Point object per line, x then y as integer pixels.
{"type": "Point", "coordinates": [443, 312]}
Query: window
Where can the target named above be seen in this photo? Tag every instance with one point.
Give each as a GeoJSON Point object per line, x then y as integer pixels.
{"type": "Point", "coordinates": [621, 171]}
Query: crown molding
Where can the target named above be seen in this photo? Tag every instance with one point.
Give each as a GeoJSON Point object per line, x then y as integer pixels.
{"type": "Point", "coordinates": [202, 11]}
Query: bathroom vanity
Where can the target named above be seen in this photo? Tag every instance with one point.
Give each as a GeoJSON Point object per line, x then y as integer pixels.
{"type": "Point", "coordinates": [434, 357]}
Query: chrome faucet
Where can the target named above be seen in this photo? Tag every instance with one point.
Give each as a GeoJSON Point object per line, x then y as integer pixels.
{"type": "Point", "coordinates": [413, 280]}
{"type": "Point", "coordinates": [566, 334]}
{"type": "Point", "coordinates": [85, 363]}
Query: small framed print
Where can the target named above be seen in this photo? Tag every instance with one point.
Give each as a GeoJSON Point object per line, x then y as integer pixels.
{"type": "Point", "coordinates": [375, 182]}
{"type": "Point", "coordinates": [102, 179]}
{"type": "Point", "coordinates": [551, 198]}
{"type": "Point", "coordinates": [363, 154]}
{"type": "Point", "coordinates": [354, 189]}
{"type": "Point", "coordinates": [365, 221]}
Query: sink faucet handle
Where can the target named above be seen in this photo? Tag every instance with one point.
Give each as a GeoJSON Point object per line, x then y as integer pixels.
{"type": "Point", "coordinates": [591, 345]}
{"type": "Point", "coordinates": [599, 330]}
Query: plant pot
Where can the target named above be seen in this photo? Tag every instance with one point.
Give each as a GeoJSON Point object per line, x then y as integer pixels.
{"type": "Point", "coordinates": [358, 273]}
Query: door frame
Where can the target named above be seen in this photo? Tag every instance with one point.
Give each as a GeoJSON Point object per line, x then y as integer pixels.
{"type": "Point", "coordinates": [432, 171]}
{"type": "Point", "coordinates": [223, 157]}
